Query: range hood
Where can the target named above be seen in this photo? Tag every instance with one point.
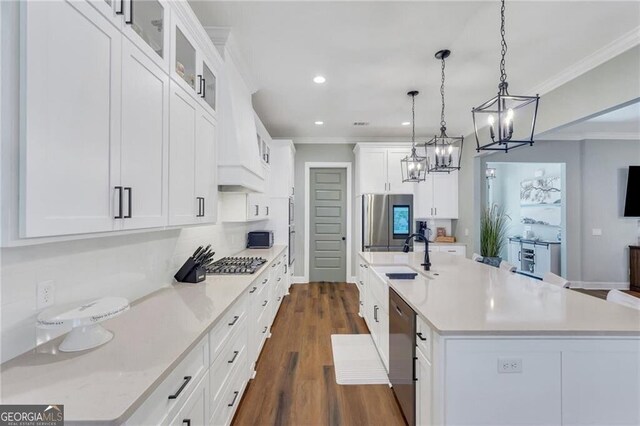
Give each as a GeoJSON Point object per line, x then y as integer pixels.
{"type": "Point", "coordinates": [240, 168]}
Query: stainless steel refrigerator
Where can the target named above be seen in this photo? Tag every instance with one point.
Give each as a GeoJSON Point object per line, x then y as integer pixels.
{"type": "Point", "coordinates": [386, 221]}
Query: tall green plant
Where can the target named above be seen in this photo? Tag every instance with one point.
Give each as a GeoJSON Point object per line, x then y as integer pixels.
{"type": "Point", "coordinates": [493, 230]}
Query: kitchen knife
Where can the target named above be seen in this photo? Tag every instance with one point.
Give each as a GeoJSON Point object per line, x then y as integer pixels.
{"type": "Point", "coordinates": [202, 253]}
{"type": "Point", "coordinates": [196, 253]}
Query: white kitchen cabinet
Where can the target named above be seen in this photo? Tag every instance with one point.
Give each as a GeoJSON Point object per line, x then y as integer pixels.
{"type": "Point", "coordinates": [70, 93]}
{"type": "Point", "coordinates": [183, 205]}
{"type": "Point", "coordinates": [377, 314]}
{"type": "Point", "coordinates": [378, 170]}
{"type": "Point", "coordinates": [244, 207]}
{"type": "Point", "coordinates": [423, 390]}
{"type": "Point", "coordinates": [362, 276]}
{"type": "Point", "coordinates": [144, 152]}
{"type": "Point", "coordinates": [282, 173]}
{"type": "Point", "coordinates": [437, 196]}
{"type": "Point", "coordinates": [206, 172]}
{"type": "Point", "coordinates": [195, 411]}
{"type": "Point", "coordinates": [192, 162]}
{"type": "Point", "coordinates": [146, 24]}
{"type": "Point", "coordinates": [111, 9]}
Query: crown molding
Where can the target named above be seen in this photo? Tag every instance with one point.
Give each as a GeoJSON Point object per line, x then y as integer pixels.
{"type": "Point", "coordinates": [581, 136]}
{"type": "Point", "coordinates": [225, 42]}
{"type": "Point", "coordinates": [348, 140]}
{"type": "Point", "coordinates": [597, 58]}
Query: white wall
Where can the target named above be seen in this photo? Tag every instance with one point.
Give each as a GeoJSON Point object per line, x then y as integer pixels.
{"type": "Point", "coordinates": [595, 188]}
{"type": "Point", "coordinates": [131, 266]}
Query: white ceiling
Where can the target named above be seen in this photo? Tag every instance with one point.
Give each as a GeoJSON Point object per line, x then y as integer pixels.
{"type": "Point", "coordinates": [620, 123]}
{"type": "Point", "coordinates": [372, 53]}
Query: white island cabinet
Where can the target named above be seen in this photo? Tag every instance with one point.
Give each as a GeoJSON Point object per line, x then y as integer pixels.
{"type": "Point", "coordinates": [495, 348]}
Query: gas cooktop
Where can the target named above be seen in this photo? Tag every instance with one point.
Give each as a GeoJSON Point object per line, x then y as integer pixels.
{"type": "Point", "coordinates": [236, 265]}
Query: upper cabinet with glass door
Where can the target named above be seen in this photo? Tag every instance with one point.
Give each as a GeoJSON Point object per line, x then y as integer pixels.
{"type": "Point", "coordinates": [191, 68]}
{"type": "Point", "coordinates": [145, 24]}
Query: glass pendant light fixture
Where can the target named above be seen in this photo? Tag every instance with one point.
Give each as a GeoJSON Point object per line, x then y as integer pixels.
{"type": "Point", "coordinates": [505, 121]}
{"type": "Point", "coordinates": [443, 152]}
{"type": "Point", "coordinates": [414, 167]}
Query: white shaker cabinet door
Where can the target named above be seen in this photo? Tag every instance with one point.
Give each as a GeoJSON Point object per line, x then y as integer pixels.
{"type": "Point", "coordinates": [184, 110]}
{"type": "Point", "coordinates": [423, 198]}
{"type": "Point", "coordinates": [71, 99]}
{"type": "Point", "coordinates": [394, 172]}
{"type": "Point", "coordinates": [445, 195]}
{"type": "Point", "coordinates": [145, 128]}
{"type": "Point", "coordinates": [423, 390]}
{"type": "Point", "coordinates": [206, 168]}
{"type": "Point", "coordinates": [373, 173]}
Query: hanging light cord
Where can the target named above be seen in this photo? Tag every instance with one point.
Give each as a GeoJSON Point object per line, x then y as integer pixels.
{"type": "Point", "coordinates": [413, 122]}
{"type": "Point", "coordinates": [443, 123]}
{"type": "Point", "coordinates": [503, 51]}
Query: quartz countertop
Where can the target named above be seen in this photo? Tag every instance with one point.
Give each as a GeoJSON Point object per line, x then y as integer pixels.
{"type": "Point", "coordinates": [460, 297]}
{"type": "Point", "coordinates": [108, 383]}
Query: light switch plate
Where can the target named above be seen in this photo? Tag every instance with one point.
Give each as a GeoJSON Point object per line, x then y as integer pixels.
{"type": "Point", "coordinates": [596, 231]}
{"type": "Point", "coordinates": [45, 294]}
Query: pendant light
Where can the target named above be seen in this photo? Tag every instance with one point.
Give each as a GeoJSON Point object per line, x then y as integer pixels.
{"type": "Point", "coordinates": [414, 167]}
{"type": "Point", "coordinates": [443, 152]}
{"type": "Point", "coordinates": [505, 121]}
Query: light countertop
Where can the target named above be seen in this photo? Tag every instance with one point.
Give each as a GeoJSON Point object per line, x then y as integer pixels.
{"type": "Point", "coordinates": [107, 384]}
{"type": "Point", "coordinates": [467, 297]}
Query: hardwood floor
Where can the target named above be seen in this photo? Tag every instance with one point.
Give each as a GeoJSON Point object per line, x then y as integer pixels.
{"type": "Point", "coordinates": [602, 294]}
{"type": "Point", "coordinates": [295, 382]}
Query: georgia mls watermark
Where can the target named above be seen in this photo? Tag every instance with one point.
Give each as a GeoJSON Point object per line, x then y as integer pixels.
{"type": "Point", "coordinates": [31, 415]}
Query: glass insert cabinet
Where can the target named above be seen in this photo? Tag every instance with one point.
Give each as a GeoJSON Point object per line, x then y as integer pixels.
{"type": "Point", "coordinates": [190, 67]}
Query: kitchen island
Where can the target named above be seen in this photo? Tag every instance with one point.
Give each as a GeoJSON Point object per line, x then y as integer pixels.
{"type": "Point", "coordinates": [502, 348]}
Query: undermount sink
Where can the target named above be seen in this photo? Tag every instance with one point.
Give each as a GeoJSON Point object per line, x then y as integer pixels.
{"type": "Point", "coordinates": [396, 272]}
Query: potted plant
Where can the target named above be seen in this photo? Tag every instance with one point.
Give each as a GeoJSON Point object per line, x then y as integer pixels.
{"type": "Point", "coordinates": [493, 232]}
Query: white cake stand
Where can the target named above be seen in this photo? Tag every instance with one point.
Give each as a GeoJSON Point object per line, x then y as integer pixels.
{"type": "Point", "coordinates": [84, 320]}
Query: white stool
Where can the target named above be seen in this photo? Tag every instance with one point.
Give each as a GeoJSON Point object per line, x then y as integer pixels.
{"type": "Point", "coordinates": [554, 279]}
{"type": "Point", "coordinates": [624, 299]}
{"type": "Point", "coordinates": [507, 266]}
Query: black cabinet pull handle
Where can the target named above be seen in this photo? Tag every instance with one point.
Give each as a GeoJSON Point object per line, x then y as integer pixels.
{"type": "Point", "coordinates": [200, 206]}
{"type": "Point", "coordinates": [265, 280]}
{"type": "Point", "coordinates": [130, 21]}
{"type": "Point", "coordinates": [235, 395]}
{"type": "Point", "coordinates": [199, 84]}
{"type": "Point", "coordinates": [203, 207]}
{"type": "Point", "coordinates": [279, 298]}
{"type": "Point", "coordinates": [121, 11]}
{"type": "Point", "coordinates": [235, 319]}
{"type": "Point", "coordinates": [235, 355]}
{"type": "Point", "coordinates": [128, 189]}
{"type": "Point", "coordinates": [421, 337]}
{"type": "Point", "coordinates": [415, 379]}
{"type": "Point", "coordinates": [279, 279]}
{"type": "Point", "coordinates": [253, 290]}
{"type": "Point", "coordinates": [119, 189]}
{"type": "Point", "coordinates": [187, 379]}
{"type": "Point", "coordinates": [186, 422]}
{"type": "Point", "coordinates": [375, 312]}
{"type": "Point", "coordinates": [265, 303]}
{"type": "Point", "coordinates": [204, 87]}
{"type": "Point", "coordinates": [265, 330]}
{"type": "Point", "coordinates": [257, 210]}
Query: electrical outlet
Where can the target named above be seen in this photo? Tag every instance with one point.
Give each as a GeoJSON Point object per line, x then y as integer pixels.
{"type": "Point", "coordinates": [509, 365]}
{"type": "Point", "coordinates": [596, 231]}
{"type": "Point", "coordinates": [46, 294]}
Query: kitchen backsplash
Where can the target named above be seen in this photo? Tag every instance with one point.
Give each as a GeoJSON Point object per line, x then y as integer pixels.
{"type": "Point", "coordinates": [131, 266]}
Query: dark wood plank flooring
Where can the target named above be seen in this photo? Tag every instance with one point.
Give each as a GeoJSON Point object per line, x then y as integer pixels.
{"type": "Point", "coordinates": [602, 294]}
{"type": "Point", "coordinates": [295, 381]}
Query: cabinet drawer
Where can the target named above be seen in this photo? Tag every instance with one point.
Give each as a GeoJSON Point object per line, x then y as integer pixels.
{"type": "Point", "coordinates": [424, 337]}
{"type": "Point", "coordinates": [232, 357]}
{"type": "Point", "coordinates": [172, 393]}
{"type": "Point", "coordinates": [221, 332]}
{"type": "Point", "coordinates": [195, 410]}
{"type": "Point", "coordinates": [455, 250]}
{"type": "Point", "coordinates": [231, 395]}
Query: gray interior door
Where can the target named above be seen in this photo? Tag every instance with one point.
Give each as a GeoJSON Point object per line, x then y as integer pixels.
{"type": "Point", "coordinates": [327, 227]}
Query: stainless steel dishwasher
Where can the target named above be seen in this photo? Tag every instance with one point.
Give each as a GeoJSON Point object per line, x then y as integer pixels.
{"type": "Point", "coordinates": [402, 354]}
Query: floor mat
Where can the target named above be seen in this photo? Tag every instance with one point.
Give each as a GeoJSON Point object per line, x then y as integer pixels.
{"type": "Point", "coordinates": [356, 360]}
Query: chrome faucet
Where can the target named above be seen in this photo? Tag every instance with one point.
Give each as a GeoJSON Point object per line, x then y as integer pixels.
{"type": "Point", "coordinates": [419, 237]}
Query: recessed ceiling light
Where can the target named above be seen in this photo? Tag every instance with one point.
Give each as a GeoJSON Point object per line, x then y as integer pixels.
{"type": "Point", "coordinates": [318, 79]}
{"type": "Point", "coordinates": [406, 123]}
{"type": "Point", "coordinates": [319, 123]}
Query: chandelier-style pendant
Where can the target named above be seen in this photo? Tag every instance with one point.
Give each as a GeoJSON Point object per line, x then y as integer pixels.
{"type": "Point", "coordinates": [444, 153]}
{"type": "Point", "coordinates": [414, 166]}
{"type": "Point", "coordinates": [505, 121]}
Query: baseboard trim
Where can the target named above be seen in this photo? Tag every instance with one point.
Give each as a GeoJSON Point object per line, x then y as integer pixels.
{"type": "Point", "coordinates": [298, 280]}
{"type": "Point", "coordinates": [600, 285]}
{"type": "Point", "coordinates": [354, 280]}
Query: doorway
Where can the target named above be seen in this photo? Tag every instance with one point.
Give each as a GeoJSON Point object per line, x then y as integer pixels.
{"type": "Point", "coordinates": [327, 222]}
